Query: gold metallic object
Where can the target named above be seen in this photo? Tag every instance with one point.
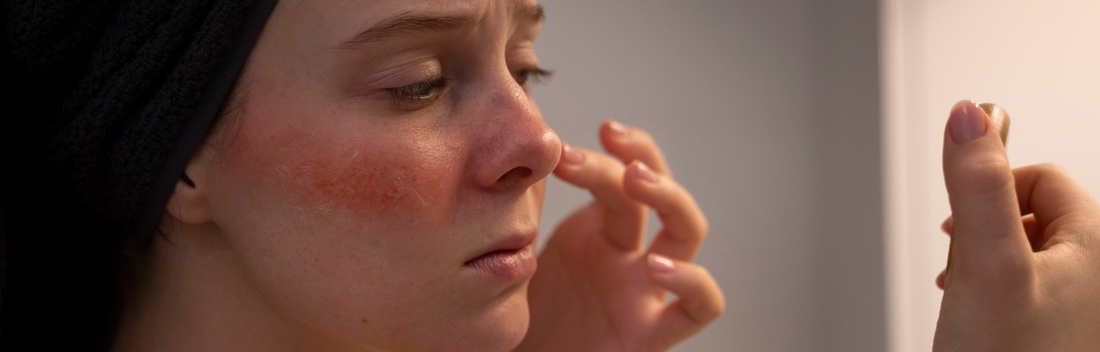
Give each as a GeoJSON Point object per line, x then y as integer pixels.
{"type": "Point", "coordinates": [1001, 122]}
{"type": "Point", "coordinates": [999, 117]}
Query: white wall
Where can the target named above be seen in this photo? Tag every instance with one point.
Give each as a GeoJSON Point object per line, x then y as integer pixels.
{"type": "Point", "coordinates": [1040, 60]}
{"type": "Point", "coordinates": [768, 111]}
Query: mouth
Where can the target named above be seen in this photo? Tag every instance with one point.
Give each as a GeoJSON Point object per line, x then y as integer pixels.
{"type": "Point", "coordinates": [511, 259]}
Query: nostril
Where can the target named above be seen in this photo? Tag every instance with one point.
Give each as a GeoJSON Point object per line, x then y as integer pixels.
{"type": "Point", "coordinates": [518, 173]}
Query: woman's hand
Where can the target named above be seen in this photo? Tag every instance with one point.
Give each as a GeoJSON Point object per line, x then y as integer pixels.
{"type": "Point", "coordinates": [1025, 258]}
{"type": "Point", "coordinates": [597, 287]}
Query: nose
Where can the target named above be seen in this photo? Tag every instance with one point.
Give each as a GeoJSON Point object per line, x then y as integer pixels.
{"type": "Point", "coordinates": [516, 148]}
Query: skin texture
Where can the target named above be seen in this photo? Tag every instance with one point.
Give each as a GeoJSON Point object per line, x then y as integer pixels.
{"type": "Point", "coordinates": [341, 215]}
{"type": "Point", "coordinates": [1026, 253]}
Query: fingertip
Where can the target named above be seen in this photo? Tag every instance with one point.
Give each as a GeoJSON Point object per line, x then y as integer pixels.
{"type": "Point", "coordinates": [612, 130]}
{"type": "Point", "coordinates": [981, 165]}
{"type": "Point", "coordinates": [967, 122]}
{"type": "Point", "coordinates": [616, 138]}
{"type": "Point", "coordinates": [570, 155]}
{"type": "Point", "coordinates": [700, 298]}
{"type": "Point", "coordinates": [571, 159]}
{"type": "Point", "coordinates": [638, 180]}
{"type": "Point", "coordinates": [638, 170]}
{"type": "Point", "coordinates": [941, 278]}
{"type": "Point", "coordinates": [948, 225]}
{"type": "Point", "coordinates": [660, 265]}
{"type": "Point", "coordinates": [603, 177]}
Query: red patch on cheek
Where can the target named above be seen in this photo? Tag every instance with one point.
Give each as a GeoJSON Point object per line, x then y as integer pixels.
{"type": "Point", "coordinates": [362, 183]}
{"type": "Point", "coordinates": [330, 167]}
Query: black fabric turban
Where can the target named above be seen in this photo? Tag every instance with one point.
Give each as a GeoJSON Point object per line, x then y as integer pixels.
{"type": "Point", "coordinates": [106, 102]}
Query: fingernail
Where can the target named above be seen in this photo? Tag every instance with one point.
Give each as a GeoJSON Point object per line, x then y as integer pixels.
{"type": "Point", "coordinates": [646, 174]}
{"type": "Point", "coordinates": [618, 130]}
{"type": "Point", "coordinates": [571, 156]}
{"type": "Point", "coordinates": [967, 122]}
{"type": "Point", "coordinates": [661, 264]}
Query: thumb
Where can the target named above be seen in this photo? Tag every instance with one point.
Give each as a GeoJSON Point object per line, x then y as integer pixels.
{"type": "Point", "coordinates": [988, 234]}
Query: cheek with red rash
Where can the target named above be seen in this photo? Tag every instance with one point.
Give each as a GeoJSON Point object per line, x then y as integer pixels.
{"type": "Point", "coordinates": [365, 182]}
{"type": "Point", "coordinates": [329, 159]}
{"type": "Point", "coordinates": [327, 171]}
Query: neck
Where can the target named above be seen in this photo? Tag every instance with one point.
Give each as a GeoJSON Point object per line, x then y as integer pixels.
{"type": "Point", "coordinates": [196, 297]}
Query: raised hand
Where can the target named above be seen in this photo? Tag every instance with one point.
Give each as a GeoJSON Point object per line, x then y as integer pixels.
{"type": "Point", "coordinates": [598, 288]}
{"type": "Point", "coordinates": [1025, 263]}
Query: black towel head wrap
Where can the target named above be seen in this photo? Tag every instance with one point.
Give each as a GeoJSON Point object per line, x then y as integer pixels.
{"type": "Point", "coordinates": [155, 80]}
{"type": "Point", "coordinates": [118, 95]}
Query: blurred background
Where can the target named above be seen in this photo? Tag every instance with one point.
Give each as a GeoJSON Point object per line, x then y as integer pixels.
{"type": "Point", "coordinates": [810, 132]}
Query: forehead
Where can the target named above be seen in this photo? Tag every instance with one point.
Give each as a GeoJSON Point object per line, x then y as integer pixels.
{"type": "Point", "coordinates": [411, 22]}
{"type": "Point", "coordinates": [359, 13]}
{"type": "Point", "coordinates": [306, 26]}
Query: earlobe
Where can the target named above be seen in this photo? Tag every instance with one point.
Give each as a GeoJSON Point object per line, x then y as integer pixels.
{"type": "Point", "coordinates": [189, 203]}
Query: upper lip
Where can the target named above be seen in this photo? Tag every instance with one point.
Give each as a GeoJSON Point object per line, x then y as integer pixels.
{"type": "Point", "coordinates": [511, 242]}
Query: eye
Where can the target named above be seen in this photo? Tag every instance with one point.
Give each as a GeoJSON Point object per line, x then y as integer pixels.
{"type": "Point", "coordinates": [420, 93]}
{"type": "Point", "coordinates": [536, 75]}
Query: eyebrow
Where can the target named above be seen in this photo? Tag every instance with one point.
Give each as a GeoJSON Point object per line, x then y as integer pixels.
{"type": "Point", "coordinates": [533, 13]}
{"type": "Point", "coordinates": [410, 23]}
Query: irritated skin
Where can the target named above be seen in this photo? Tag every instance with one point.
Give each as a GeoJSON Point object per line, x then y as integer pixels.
{"type": "Point", "coordinates": [338, 218]}
{"type": "Point", "coordinates": [396, 173]}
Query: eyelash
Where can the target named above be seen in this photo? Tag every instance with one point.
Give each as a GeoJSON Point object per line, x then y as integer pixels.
{"type": "Point", "coordinates": [420, 92]}
{"type": "Point", "coordinates": [536, 75]}
{"type": "Point", "coordinates": [426, 91]}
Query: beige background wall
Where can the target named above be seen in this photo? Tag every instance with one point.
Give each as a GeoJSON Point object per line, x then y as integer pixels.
{"type": "Point", "coordinates": [1040, 60]}
{"type": "Point", "coordinates": [769, 113]}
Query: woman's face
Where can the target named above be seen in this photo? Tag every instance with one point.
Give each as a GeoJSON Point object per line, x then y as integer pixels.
{"type": "Point", "coordinates": [385, 176]}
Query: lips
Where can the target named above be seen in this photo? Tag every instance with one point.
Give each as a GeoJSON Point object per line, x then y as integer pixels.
{"type": "Point", "coordinates": [511, 259]}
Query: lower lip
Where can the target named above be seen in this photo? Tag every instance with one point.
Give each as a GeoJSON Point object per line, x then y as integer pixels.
{"type": "Point", "coordinates": [506, 266]}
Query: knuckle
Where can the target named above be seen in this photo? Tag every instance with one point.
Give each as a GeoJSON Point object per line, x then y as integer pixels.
{"type": "Point", "coordinates": [710, 313]}
{"type": "Point", "coordinates": [716, 301]}
{"type": "Point", "coordinates": [718, 308]}
{"type": "Point", "coordinates": [700, 224]}
{"type": "Point", "coordinates": [704, 226]}
{"type": "Point", "coordinates": [644, 136]}
{"type": "Point", "coordinates": [697, 233]}
{"type": "Point", "coordinates": [985, 175]}
{"type": "Point", "coordinates": [1052, 168]}
{"type": "Point", "coordinates": [609, 169]}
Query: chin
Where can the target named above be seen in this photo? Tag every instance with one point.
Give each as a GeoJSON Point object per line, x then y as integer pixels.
{"type": "Point", "coordinates": [502, 326]}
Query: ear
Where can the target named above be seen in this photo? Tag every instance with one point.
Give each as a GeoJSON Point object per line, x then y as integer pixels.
{"type": "Point", "coordinates": [189, 202]}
